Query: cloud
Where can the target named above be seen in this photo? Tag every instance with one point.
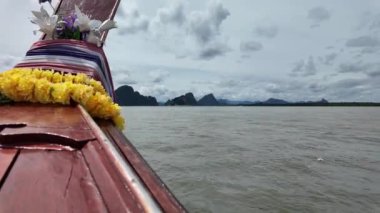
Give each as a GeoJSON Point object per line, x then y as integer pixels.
{"type": "Point", "coordinates": [369, 21]}
{"type": "Point", "coordinates": [353, 67]}
{"type": "Point", "coordinates": [205, 25]}
{"type": "Point", "coordinates": [250, 46]}
{"type": "Point", "coordinates": [195, 34]}
{"type": "Point", "coordinates": [318, 15]}
{"type": "Point", "coordinates": [375, 23]}
{"type": "Point", "coordinates": [132, 22]}
{"type": "Point", "coordinates": [174, 14]}
{"type": "Point", "coordinates": [159, 91]}
{"type": "Point", "coordinates": [368, 44]}
{"type": "Point", "coordinates": [273, 88]}
{"type": "Point", "coordinates": [228, 83]}
{"type": "Point", "coordinates": [363, 41]}
{"type": "Point", "coordinates": [158, 76]}
{"type": "Point", "coordinates": [8, 61]}
{"type": "Point", "coordinates": [304, 69]}
{"type": "Point", "coordinates": [122, 77]}
{"type": "Point", "coordinates": [349, 89]}
{"type": "Point", "coordinates": [266, 31]}
{"type": "Point", "coordinates": [317, 88]}
{"type": "Point", "coordinates": [283, 87]}
{"type": "Point", "coordinates": [299, 66]}
{"type": "Point", "coordinates": [349, 83]}
{"type": "Point", "coordinates": [213, 50]}
{"type": "Point", "coordinates": [370, 69]}
{"type": "Point", "coordinates": [374, 73]}
{"type": "Point", "coordinates": [329, 59]}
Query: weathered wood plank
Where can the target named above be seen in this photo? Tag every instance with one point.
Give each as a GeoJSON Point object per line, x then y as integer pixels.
{"type": "Point", "coordinates": [156, 186]}
{"type": "Point", "coordinates": [31, 135]}
{"type": "Point", "coordinates": [50, 181]}
{"type": "Point", "coordinates": [7, 156]}
{"type": "Point", "coordinates": [117, 196]}
{"type": "Point", "coordinates": [39, 115]}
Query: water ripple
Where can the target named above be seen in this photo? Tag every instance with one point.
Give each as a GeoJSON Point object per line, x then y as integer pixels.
{"type": "Point", "coordinates": [263, 159]}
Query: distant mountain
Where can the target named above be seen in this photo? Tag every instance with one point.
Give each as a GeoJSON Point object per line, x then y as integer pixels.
{"type": "Point", "coordinates": [230, 102]}
{"type": "Point", "coordinates": [126, 96]}
{"type": "Point", "coordinates": [208, 100]}
{"type": "Point", "coordinates": [275, 101]}
{"type": "Point", "coordinates": [279, 102]}
{"type": "Point", "coordinates": [187, 99]}
{"type": "Point", "coordinates": [322, 101]}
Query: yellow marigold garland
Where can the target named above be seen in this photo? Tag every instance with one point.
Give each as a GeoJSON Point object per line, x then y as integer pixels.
{"type": "Point", "coordinates": [44, 86]}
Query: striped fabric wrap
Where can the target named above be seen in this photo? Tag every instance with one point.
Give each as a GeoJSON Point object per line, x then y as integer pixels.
{"type": "Point", "coordinates": [70, 56]}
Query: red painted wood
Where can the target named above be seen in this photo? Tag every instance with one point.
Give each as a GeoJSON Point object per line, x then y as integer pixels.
{"type": "Point", "coordinates": [50, 181]}
{"type": "Point", "coordinates": [117, 195]}
{"type": "Point", "coordinates": [85, 180]}
{"type": "Point", "coordinates": [7, 156]}
{"type": "Point", "coordinates": [43, 115]}
{"type": "Point", "coordinates": [158, 189]}
{"type": "Point", "coordinates": [31, 135]}
{"type": "Point", "coordinates": [32, 124]}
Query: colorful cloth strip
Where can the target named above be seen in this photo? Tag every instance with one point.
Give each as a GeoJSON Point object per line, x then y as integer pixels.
{"type": "Point", "coordinates": [70, 56]}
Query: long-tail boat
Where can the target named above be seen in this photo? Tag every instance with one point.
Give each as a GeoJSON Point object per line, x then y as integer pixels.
{"type": "Point", "coordinates": [57, 158]}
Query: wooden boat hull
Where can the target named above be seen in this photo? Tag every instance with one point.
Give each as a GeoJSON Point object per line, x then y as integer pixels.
{"type": "Point", "coordinates": [58, 159]}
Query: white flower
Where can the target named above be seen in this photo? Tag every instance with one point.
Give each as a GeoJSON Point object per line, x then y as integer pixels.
{"type": "Point", "coordinates": [97, 28]}
{"type": "Point", "coordinates": [107, 25]}
{"type": "Point", "coordinates": [82, 21]}
{"type": "Point", "coordinates": [94, 27]}
{"type": "Point", "coordinates": [46, 22]}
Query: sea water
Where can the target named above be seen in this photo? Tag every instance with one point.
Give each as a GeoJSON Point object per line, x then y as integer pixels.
{"type": "Point", "coordinates": [263, 159]}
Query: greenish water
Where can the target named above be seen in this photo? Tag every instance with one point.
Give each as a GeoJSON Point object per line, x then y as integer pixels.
{"type": "Point", "coordinates": [263, 159]}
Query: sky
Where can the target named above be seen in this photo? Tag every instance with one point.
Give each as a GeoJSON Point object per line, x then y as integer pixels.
{"type": "Point", "coordinates": [297, 50]}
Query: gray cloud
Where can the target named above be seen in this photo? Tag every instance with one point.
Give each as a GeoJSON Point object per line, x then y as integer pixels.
{"type": "Point", "coordinates": [310, 67]}
{"type": "Point", "coordinates": [329, 59]}
{"type": "Point", "coordinates": [213, 50]}
{"type": "Point", "coordinates": [205, 25]}
{"type": "Point", "coordinates": [353, 67]}
{"type": "Point", "coordinates": [288, 90]}
{"type": "Point", "coordinates": [369, 21]}
{"type": "Point", "coordinates": [7, 62]}
{"type": "Point", "coordinates": [267, 32]}
{"type": "Point", "coordinates": [122, 77]}
{"type": "Point", "coordinates": [299, 66]}
{"type": "Point", "coordinates": [375, 24]}
{"type": "Point", "coordinates": [133, 22]}
{"type": "Point", "coordinates": [348, 89]}
{"type": "Point", "coordinates": [370, 50]}
{"type": "Point", "coordinates": [363, 41]}
{"type": "Point", "coordinates": [317, 88]}
{"type": "Point", "coordinates": [195, 34]}
{"type": "Point", "coordinates": [349, 83]}
{"type": "Point", "coordinates": [372, 70]}
{"type": "Point", "coordinates": [274, 88]}
{"type": "Point", "coordinates": [228, 83]}
{"type": "Point", "coordinates": [173, 14]}
{"type": "Point", "coordinates": [374, 73]}
{"type": "Point", "coordinates": [250, 46]}
{"type": "Point", "coordinates": [158, 76]}
{"type": "Point", "coordinates": [318, 15]}
{"type": "Point", "coordinates": [304, 69]}
{"type": "Point", "coordinates": [159, 91]}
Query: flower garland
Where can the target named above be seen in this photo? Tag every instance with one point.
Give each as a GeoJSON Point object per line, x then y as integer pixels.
{"type": "Point", "coordinates": [43, 86]}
